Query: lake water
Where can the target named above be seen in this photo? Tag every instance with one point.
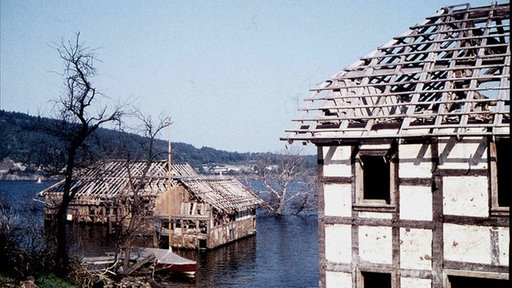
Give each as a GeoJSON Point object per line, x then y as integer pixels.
{"type": "Point", "coordinates": [283, 253]}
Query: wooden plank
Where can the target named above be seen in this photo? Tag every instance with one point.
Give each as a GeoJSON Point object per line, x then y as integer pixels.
{"type": "Point", "coordinates": [443, 40]}
{"type": "Point", "coordinates": [400, 104]}
{"type": "Point", "coordinates": [481, 78]}
{"type": "Point", "coordinates": [194, 207]}
{"type": "Point", "coordinates": [502, 94]}
{"type": "Point", "coordinates": [183, 208]}
{"type": "Point", "coordinates": [324, 120]}
{"type": "Point", "coordinates": [139, 264]}
{"type": "Point", "coordinates": [98, 260]}
{"type": "Point", "coordinates": [379, 105]}
{"type": "Point", "coordinates": [473, 83]}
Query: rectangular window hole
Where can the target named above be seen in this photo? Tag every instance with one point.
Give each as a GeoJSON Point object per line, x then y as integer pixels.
{"type": "Point", "coordinates": [374, 279]}
{"type": "Point", "coordinates": [503, 163]}
{"type": "Point", "coordinates": [465, 282]}
{"type": "Point", "coordinates": [376, 178]}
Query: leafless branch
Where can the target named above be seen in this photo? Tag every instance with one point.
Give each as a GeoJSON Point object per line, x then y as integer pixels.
{"type": "Point", "coordinates": [278, 173]}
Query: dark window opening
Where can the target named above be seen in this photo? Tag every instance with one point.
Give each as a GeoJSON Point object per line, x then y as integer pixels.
{"type": "Point", "coordinates": [503, 165]}
{"type": "Point", "coordinates": [163, 242]}
{"type": "Point", "coordinates": [203, 226]}
{"type": "Point", "coordinates": [372, 279]}
{"type": "Point", "coordinates": [465, 282]}
{"type": "Point", "coordinates": [376, 178]}
{"type": "Point", "coordinates": [189, 225]}
{"type": "Point", "coordinates": [202, 244]}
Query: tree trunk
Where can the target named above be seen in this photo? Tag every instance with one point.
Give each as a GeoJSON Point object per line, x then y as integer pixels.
{"type": "Point", "coordinates": [61, 256]}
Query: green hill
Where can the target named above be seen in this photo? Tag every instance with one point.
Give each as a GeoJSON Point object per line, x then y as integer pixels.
{"type": "Point", "coordinates": [32, 141]}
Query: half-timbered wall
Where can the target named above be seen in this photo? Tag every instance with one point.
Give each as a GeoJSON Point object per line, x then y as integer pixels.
{"type": "Point", "coordinates": [438, 225]}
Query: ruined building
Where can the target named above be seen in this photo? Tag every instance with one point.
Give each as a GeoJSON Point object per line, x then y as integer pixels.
{"type": "Point", "coordinates": [414, 155]}
{"type": "Point", "coordinates": [181, 208]}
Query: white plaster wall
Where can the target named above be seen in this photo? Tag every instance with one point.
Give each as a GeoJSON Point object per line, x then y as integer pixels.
{"type": "Point", "coordinates": [375, 244]}
{"type": "Point", "coordinates": [470, 153]}
{"type": "Point", "coordinates": [416, 248]}
{"type": "Point", "coordinates": [415, 161]}
{"type": "Point", "coordinates": [375, 215]}
{"type": "Point", "coordinates": [338, 243]}
{"type": "Point", "coordinates": [504, 240]}
{"type": "Point", "coordinates": [337, 279]}
{"type": "Point", "coordinates": [466, 196]}
{"type": "Point", "coordinates": [466, 243]}
{"type": "Point", "coordinates": [415, 283]}
{"type": "Point", "coordinates": [415, 203]}
{"type": "Point", "coordinates": [337, 161]}
{"type": "Point", "coordinates": [338, 199]}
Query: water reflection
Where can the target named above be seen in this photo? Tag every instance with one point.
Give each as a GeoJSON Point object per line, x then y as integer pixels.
{"type": "Point", "coordinates": [231, 265]}
{"type": "Point", "coordinates": [90, 240]}
{"type": "Point", "coordinates": [283, 253]}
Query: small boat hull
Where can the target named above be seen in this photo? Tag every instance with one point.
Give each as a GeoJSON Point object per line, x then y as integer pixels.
{"type": "Point", "coordinates": [166, 260]}
{"type": "Point", "coordinates": [188, 269]}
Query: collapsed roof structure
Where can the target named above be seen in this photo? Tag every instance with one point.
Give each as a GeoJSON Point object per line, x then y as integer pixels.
{"type": "Point", "coordinates": [107, 181]}
{"type": "Point", "coordinates": [450, 71]}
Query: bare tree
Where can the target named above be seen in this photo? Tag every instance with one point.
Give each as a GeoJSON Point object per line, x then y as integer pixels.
{"type": "Point", "coordinates": [81, 114]}
{"type": "Point", "coordinates": [139, 206]}
{"type": "Point", "coordinates": [286, 183]}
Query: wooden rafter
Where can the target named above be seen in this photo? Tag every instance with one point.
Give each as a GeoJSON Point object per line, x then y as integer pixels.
{"type": "Point", "coordinates": [447, 76]}
{"type": "Point", "coordinates": [108, 180]}
{"type": "Point", "coordinates": [225, 194]}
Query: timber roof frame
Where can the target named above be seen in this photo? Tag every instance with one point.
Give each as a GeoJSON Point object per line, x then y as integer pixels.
{"type": "Point", "coordinates": [110, 179]}
{"type": "Point", "coordinates": [225, 194]}
{"type": "Point", "coordinates": [446, 76]}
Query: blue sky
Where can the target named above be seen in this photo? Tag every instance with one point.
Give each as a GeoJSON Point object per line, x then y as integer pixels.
{"type": "Point", "coordinates": [231, 74]}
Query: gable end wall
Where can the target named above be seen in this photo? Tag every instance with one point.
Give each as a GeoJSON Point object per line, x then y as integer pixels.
{"type": "Point", "coordinates": [440, 216]}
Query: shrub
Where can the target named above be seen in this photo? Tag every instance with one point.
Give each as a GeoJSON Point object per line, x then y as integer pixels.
{"type": "Point", "coordinates": [51, 281]}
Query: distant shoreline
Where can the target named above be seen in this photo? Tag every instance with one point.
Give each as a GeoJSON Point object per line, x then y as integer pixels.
{"type": "Point", "coordinates": [33, 177]}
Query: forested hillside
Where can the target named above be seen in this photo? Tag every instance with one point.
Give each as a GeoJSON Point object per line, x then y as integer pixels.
{"type": "Point", "coordinates": [32, 141]}
{"type": "Point", "coordinates": [27, 139]}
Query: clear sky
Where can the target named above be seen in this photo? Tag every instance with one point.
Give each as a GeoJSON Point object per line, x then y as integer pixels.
{"type": "Point", "coordinates": [231, 74]}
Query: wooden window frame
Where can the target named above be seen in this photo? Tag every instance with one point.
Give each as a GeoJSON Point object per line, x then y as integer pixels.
{"type": "Point", "coordinates": [361, 276]}
{"type": "Point", "coordinates": [365, 204]}
{"type": "Point", "coordinates": [496, 208]}
{"type": "Point", "coordinates": [449, 273]}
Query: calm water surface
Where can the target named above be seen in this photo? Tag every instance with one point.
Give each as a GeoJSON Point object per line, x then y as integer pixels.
{"type": "Point", "coordinates": [284, 252]}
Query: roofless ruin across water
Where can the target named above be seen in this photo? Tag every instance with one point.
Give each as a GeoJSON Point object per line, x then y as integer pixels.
{"type": "Point", "coordinates": [193, 211]}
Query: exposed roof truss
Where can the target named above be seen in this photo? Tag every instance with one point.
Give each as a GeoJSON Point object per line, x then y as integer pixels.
{"type": "Point", "coordinates": [449, 75]}
{"type": "Point", "coordinates": [111, 179]}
